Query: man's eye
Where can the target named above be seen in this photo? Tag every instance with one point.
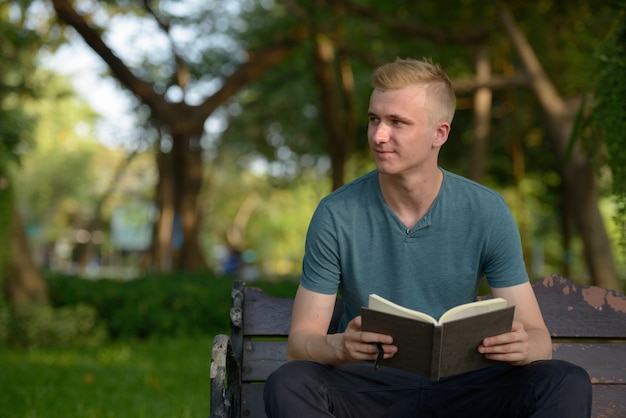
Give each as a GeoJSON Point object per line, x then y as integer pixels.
{"type": "Point", "coordinates": [396, 122]}
{"type": "Point", "coordinates": [374, 120]}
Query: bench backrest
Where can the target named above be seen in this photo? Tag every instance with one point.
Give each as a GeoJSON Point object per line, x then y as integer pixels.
{"type": "Point", "coordinates": [587, 324]}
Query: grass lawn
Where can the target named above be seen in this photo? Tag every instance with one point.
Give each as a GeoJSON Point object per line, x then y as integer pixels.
{"type": "Point", "coordinates": [167, 378]}
{"type": "Point", "coordinates": [144, 379]}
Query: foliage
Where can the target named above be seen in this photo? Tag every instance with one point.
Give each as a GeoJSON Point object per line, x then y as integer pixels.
{"type": "Point", "coordinates": [6, 206]}
{"type": "Point", "coordinates": [152, 306]}
{"type": "Point", "coordinates": [78, 170]}
{"type": "Point", "coordinates": [166, 378]}
{"type": "Point", "coordinates": [277, 120]}
{"type": "Point", "coordinates": [36, 326]}
{"type": "Point", "coordinates": [63, 148]}
{"type": "Point", "coordinates": [87, 313]}
{"type": "Point", "coordinates": [608, 120]}
{"type": "Point", "coordinates": [283, 110]}
{"type": "Point", "coordinates": [279, 212]}
{"type": "Point", "coordinates": [18, 49]}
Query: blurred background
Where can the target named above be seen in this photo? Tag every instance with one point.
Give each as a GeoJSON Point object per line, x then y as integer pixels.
{"type": "Point", "coordinates": [153, 151]}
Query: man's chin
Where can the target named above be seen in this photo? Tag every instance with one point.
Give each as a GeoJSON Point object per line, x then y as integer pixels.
{"type": "Point", "coordinates": [386, 170]}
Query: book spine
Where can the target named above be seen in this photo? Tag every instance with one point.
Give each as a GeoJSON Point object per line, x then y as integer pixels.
{"type": "Point", "coordinates": [435, 365]}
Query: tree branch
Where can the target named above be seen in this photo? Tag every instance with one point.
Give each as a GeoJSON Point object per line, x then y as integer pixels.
{"type": "Point", "coordinates": [182, 72]}
{"type": "Point", "coordinates": [544, 90]}
{"type": "Point", "coordinates": [142, 89]}
{"type": "Point", "coordinates": [494, 82]}
{"type": "Point", "coordinates": [254, 68]}
{"type": "Point", "coordinates": [257, 64]}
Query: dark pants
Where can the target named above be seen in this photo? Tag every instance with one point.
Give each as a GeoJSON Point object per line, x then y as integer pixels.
{"type": "Point", "coordinates": [549, 389]}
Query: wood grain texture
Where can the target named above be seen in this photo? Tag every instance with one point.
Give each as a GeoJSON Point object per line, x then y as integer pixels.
{"type": "Point", "coordinates": [573, 311]}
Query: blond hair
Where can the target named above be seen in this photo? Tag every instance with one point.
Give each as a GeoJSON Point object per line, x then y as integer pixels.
{"type": "Point", "coordinates": [403, 72]}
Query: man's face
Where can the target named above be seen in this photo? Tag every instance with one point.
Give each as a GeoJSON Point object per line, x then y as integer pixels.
{"type": "Point", "coordinates": [403, 133]}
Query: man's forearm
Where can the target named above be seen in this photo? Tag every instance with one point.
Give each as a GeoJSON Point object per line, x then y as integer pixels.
{"type": "Point", "coordinates": [325, 349]}
{"type": "Point", "coordinates": [540, 345]}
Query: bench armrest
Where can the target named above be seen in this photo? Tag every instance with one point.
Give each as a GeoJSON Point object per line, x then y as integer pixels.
{"type": "Point", "coordinates": [225, 379]}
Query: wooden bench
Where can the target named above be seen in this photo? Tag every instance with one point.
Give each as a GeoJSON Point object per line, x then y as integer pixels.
{"type": "Point", "coordinates": [587, 324]}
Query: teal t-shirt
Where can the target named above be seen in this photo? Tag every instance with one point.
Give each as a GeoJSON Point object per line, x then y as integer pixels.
{"type": "Point", "coordinates": [356, 245]}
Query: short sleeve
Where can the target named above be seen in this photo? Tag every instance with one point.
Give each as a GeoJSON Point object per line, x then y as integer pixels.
{"type": "Point", "coordinates": [321, 268]}
{"type": "Point", "coordinates": [504, 265]}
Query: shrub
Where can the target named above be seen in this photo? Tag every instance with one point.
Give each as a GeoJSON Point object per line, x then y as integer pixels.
{"type": "Point", "coordinates": [152, 306]}
{"type": "Point", "coordinates": [34, 326]}
{"type": "Point", "coordinates": [156, 306]}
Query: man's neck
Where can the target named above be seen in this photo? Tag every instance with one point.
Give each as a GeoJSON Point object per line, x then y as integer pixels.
{"type": "Point", "coordinates": [411, 197]}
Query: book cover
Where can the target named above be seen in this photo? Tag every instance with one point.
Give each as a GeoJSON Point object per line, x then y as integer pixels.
{"type": "Point", "coordinates": [438, 349]}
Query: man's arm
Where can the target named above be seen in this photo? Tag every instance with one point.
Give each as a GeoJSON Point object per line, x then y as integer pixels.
{"type": "Point", "coordinates": [308, 338]}
{"type": "Point", "coordinates": [529, 339]}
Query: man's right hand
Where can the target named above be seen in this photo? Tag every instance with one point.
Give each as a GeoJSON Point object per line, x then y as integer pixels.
{"type": "Point", "coordinates": [308, 338]}
{"type": "Point", "coordinates": [361, 345]}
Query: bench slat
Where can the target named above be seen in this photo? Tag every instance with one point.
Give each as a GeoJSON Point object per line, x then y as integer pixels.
{"type": "Point", "coordinates": [609, 401]}
{"type": "Point", "coordinates": [605, 363]}
{"type": "Point", "coordinates": [572, 311]}
{"type": "Point", "coordinates": [272, 315]}
{"type": "Point", "coordinates": [261, 358]}
{"type": "Point", "coordinates": [252, 405]}
{"type": "Point", "coordinates": [266, 315]}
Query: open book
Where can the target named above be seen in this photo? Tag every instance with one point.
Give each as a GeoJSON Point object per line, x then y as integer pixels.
{"type": "Point", "coordinates": [438, 348]}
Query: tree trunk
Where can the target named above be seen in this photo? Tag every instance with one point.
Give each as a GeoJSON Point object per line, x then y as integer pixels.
{"type": "Point", "coordinates": [482, 117]}
{"type": "Point", "coordinates": [331, 107]}
{"type": "Point", "coordinates": [336, 82]}
{"type": "Point", "coordinates": [187, 170]}
{"type": "Point", "coordinates": [577, 174]}
{"type": "Point", "coordinates": [23, 283]}
{"type": "Point", "coordinates": [582, 197]}
{"type": "Point", "coordinates": [163, 238]}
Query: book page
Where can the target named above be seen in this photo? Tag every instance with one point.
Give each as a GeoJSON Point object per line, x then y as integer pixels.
{"type": "Point", "coordinates": [473, 309]}
{"type": "Point", "coordinates": [380, 304]}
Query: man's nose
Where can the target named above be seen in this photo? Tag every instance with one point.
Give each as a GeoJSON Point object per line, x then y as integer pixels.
{"type": "Point", "coordinates": [380, 133]}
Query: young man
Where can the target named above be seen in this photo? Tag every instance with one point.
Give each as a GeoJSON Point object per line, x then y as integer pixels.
{"type": "Point", "coordinates": [421, 237]}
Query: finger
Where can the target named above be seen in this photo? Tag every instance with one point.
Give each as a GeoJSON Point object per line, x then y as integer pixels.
{"type": "Point", "coordinates": [502, 339]}
{"type": "Point", "coordinates": [373, 337]}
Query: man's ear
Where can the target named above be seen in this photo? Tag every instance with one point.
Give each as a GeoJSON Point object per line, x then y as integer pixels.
{"type": "Point", "coordinates": [441, 133]}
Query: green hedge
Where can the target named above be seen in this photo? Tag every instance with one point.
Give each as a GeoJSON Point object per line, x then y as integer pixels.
{"type": "Point", "coordinates": [157, 306]}
{"type": "Point", "coordinates": [152, 306]}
